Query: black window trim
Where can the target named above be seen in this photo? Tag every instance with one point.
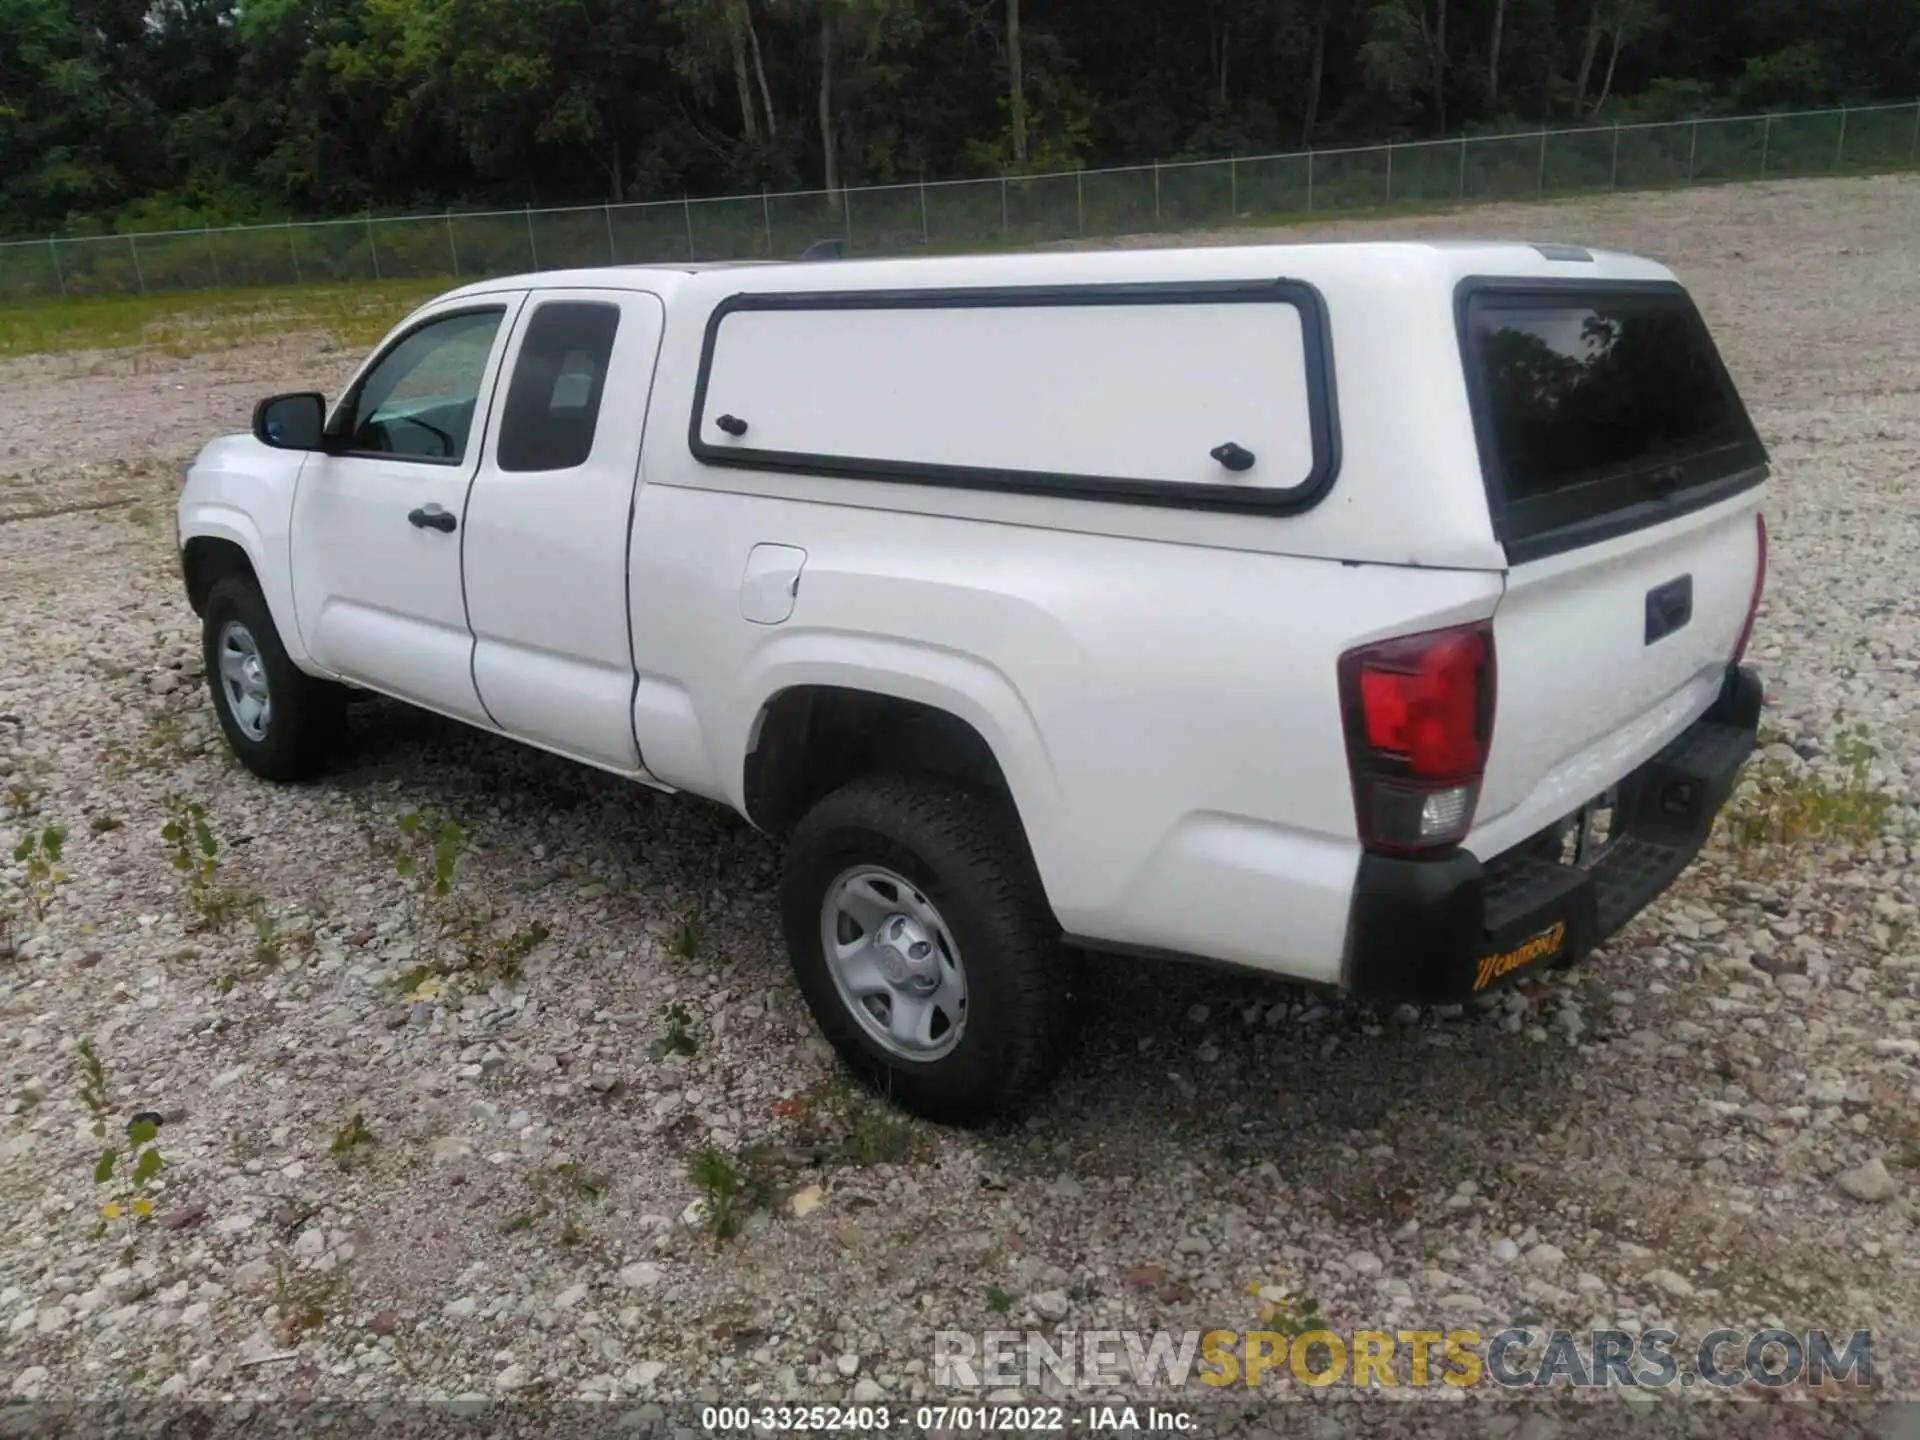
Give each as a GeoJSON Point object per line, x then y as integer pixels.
{"type": "Point", "coordinates": [343, 412]}
{"type": "Point", "coordinates": [1322, 407]}
{"type": "Point", "coordinates": [523, 323]}
{"type": "Point", "coordinates": [1600, 495]}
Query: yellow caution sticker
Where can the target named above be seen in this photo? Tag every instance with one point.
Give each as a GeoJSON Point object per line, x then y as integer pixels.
{"type": "Point", "coordinates": [1544, 946]}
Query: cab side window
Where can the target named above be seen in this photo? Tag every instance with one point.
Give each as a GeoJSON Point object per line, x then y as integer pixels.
{"type": "Point", "coordinates": [553, 401]}
{"type": "Point", "coordinates": [417, 402]}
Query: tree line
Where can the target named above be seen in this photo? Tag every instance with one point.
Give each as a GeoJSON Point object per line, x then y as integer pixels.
{"type": "Point", "coordinates": [154, 113]}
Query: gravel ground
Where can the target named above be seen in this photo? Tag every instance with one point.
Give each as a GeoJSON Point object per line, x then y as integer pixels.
{"type": "Point", "coordinates": [88, 427]}
{"type": "Point", "coordinates": [1711, 1123]}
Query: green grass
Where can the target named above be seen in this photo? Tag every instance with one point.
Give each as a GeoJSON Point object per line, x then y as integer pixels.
{"type": "Point", "coordinates": [195, 322]}
{"type": "Point", "coordinates": [1779, 804]}
{"type": "Point", "coordinates": [1271, 195]}
{"type": "Point", "coordinates": [358, 313]}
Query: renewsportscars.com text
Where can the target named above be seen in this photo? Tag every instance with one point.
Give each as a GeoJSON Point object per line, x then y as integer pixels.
{"type": "Point", "coordinates": [1514, 1358]}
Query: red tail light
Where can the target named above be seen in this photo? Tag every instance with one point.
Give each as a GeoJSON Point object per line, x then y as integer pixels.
{"type": "Point", "coordinates": [1419, 718]}
{"type": "Point", "coordinates": [1759, 589]}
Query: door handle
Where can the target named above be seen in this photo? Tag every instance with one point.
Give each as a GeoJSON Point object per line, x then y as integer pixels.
{"type": "Point", "coordinates": [432, 517]}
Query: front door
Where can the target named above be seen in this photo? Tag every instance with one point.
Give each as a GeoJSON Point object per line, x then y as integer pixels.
{"type": "Point", "coordinates": [377, 519]}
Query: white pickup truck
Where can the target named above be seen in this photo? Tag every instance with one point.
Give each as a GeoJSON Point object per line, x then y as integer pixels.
{"type": "Point", "coordinates": [1368, 615]}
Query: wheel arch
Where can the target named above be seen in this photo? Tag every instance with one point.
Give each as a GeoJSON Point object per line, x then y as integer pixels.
{"type": "Point", "coordinates": [810, 739]}
{"type": "Point", "coordinates": [971, 703]}
{"type": "Point", "coordinates": [206, 560]}
{"type": "Point", "coordinates": [217, 544]}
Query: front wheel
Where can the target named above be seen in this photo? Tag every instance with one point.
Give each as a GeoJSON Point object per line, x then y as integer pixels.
{"type": "Point", "coordinates": [278, 720]}
{"type": "Point", "coordinates": [923, 945]}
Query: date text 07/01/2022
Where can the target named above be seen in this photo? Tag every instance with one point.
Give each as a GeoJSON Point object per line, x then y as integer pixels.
{"type": "Point", "coordinates": [986, 1419]}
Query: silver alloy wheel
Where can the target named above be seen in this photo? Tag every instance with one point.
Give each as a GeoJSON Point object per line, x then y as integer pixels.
{"type": "Point", "coordinates": [243, 678]}
{"type": "Point", "coordinates": [894, 963]}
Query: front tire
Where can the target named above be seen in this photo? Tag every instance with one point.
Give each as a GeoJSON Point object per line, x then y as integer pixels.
{"type": "Point", "coordinates": [924, 947]}
{"type": "Point", "coordinates": [279, 721]}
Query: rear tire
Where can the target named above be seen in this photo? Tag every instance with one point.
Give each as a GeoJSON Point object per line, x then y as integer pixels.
{"type": "Point", "coordinates": [944, 870]}
{"type": "Point", "coordinates": [279, 721]}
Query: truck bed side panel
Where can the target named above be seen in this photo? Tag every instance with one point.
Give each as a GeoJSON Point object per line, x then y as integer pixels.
{"type": "Point", "coordinates": [1166, 715]}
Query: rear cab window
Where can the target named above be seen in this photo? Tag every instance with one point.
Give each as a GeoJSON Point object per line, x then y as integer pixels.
{"type": "Point", "coordinates": [1599, 408]}
{"type": "Point", "coordinates": [553, 400]}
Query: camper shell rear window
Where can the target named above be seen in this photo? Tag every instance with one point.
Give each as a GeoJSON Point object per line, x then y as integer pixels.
{"type": "Point", "coordinates": [1204, 395]}
{"type": "Point", "coordinates": [1599, 408]}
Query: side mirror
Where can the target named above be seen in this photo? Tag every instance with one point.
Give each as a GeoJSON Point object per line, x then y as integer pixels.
{"type": "Point", "coordinates": [291, 422]}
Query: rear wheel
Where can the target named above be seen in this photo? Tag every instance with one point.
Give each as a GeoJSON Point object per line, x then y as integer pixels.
{"type": "Point", "coordinates": [923, 945]}
{"type": "Point", "coordinates": [278, 720]}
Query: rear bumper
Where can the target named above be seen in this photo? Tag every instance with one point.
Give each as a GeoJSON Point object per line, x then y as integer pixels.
{"type": "Point", "coordinates": [1434, 931]}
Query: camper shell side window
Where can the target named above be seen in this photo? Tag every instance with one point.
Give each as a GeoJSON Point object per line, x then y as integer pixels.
{"type": "Point", "coordinates": [1205, 395]}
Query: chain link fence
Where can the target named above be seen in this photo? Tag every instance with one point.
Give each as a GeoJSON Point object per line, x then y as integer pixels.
{"type": "Point", "coordinates": [956, 215]}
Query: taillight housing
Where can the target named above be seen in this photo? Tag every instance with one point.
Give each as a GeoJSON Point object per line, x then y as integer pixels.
{"type": "Point", "coordinates": [1759, 589]}
{"type": "Point", "coordinates": [1418, 711]}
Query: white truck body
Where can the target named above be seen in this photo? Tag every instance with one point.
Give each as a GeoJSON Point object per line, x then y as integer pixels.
{"type": "Point", "coordinates": [987, 488]}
